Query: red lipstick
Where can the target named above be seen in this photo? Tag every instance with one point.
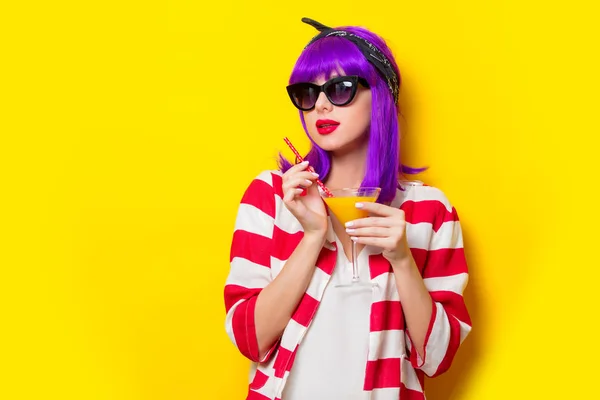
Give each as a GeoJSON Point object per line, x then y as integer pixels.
{"type": "Point", "coordinates": [326, 126]}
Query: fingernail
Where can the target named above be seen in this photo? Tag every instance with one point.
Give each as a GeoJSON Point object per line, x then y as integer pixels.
{"type": "Point", "coordinates": [315, 174]}
{"type": "Point", "coordinates": [348, 224]}
{"type": "Point", "coordinates": [304, 162]}
{"type": "Point", "coordinates": [308, 182]}
{"type": "Point", "coordinates": [348, 230]}
{"type": "Point", "coordinates": [354, 239]}
{"type": "Point", "coordinates": [359, 205]}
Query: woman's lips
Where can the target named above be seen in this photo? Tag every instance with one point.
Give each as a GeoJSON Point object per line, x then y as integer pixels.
{"type": "Point", "coordinates": [326, 126]}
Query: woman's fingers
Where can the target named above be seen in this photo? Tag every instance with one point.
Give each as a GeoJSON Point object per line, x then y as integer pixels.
{"type": "Point", "coordinates": [297, 168]}
{"type": "Point", "coordinates": [369, 232]}
{"type": "Point", "coordinates": [290, 195]}
{"type": "Point", "coordinates": [296, 183]}
{"type": "Point", "coordinates": [300, 174]}
{"type": "Point", "coordinates": [384, 243]}
{"type": "Point", "coordinates": [371, 221]}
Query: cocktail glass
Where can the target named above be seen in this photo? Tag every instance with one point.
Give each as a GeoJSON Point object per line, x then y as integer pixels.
{"type": "Point", "coordinates": [343, 206]}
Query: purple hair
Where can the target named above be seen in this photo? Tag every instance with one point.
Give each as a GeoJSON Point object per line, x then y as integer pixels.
{"type": "Point", "coordinates": [336, 54]}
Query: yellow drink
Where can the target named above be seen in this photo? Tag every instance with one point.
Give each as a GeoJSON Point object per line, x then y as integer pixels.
{"type": "Point", "coordinates": [345, 209]}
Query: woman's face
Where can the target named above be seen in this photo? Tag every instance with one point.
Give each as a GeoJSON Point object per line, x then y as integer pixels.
{"type": "Point", "coordinates": [340, 129]}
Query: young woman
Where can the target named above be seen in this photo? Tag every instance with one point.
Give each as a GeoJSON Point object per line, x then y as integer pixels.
{"type": "Point", "coordinates": [311, 336]}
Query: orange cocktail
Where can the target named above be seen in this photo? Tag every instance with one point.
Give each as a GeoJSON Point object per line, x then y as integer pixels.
{"type": "Point", "coordinates": [344, 208]}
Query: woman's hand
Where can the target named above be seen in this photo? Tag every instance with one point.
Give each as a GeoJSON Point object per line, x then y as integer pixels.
{"type": "Point", "coordinates": [310, 208]}
{"type": "Point", "coordinates": [386, 230]}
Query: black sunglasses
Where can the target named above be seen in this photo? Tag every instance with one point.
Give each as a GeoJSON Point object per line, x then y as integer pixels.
{"type": "Point", "coordinates": [339, 91]}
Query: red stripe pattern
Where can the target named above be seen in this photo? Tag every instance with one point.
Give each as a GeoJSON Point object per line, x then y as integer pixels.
{"type": "Point", "coordinates": [394, 370]}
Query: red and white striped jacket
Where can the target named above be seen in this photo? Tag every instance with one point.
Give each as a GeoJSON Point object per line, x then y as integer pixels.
{"type": "Point", "coordinates": [265, 236]}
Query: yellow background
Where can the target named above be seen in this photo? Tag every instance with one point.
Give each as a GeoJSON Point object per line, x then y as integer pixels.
{"type": "Point", "coordinates": [129, 131]}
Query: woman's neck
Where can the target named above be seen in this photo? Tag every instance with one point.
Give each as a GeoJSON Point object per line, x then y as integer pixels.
{"type": "Point", "coordinates": [347, 169]}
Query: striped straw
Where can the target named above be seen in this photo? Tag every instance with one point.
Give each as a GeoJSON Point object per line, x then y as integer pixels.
{"type": "Point", "coordinates": [310, 168]}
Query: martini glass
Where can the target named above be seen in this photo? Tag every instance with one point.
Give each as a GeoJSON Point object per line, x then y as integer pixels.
{"type": "Point", "coordinates": [343, 206]}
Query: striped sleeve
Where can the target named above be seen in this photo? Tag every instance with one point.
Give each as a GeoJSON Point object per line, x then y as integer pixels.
{"type": "Point", "coordinates": [250, 264]}
{"type": "Point", "coordinates": [445, 275]}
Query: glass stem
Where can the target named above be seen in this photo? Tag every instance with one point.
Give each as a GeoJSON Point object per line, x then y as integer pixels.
{"type": "Point", "coordinates": [354, 263]}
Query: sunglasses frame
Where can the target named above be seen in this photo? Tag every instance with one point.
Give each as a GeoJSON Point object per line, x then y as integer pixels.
{"type": "Point", "coordinates": [323, 88]}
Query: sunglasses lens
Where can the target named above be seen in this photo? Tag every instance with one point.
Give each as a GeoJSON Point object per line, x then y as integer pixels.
{"type": "Point", "coordinates": [304, 96]}
{"type": "Point", "coordinates": [341, 92]}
